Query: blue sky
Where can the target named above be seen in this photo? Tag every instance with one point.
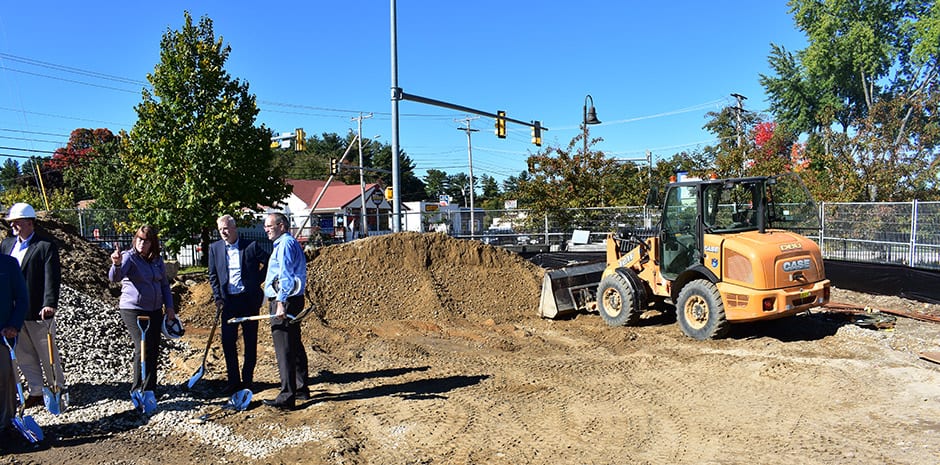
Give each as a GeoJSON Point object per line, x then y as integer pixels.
{"type": "Point", "coordinates": [653, 69]}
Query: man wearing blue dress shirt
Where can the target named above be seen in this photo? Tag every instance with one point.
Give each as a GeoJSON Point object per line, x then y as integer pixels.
{"type": "Point", "coordinates": [286, 265]}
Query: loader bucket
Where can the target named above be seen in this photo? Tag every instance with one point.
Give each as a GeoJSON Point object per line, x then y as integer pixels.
{"type": "Point", "coordinates": [567, 290]}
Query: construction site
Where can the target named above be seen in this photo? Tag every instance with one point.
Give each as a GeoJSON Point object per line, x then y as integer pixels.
{"type": "Point", "coordinates": [426, 349]}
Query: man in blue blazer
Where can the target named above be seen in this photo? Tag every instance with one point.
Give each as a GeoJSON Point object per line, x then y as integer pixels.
{"type": "Point", "coordinates": [236, 271]}
{"type": "Point", "coordinates": [14, 302]}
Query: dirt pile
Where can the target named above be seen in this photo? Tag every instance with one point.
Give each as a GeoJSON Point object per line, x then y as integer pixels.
{"type": "Point", "coordinates": [408, 276]}
{"type": "Point", "coordinates": [84, 264]}
{"type": "Point", "coordinates": [421, 276]}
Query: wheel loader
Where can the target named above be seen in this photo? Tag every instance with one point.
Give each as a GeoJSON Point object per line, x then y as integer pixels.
{"type": "Point", "coordinates": [725, 251]}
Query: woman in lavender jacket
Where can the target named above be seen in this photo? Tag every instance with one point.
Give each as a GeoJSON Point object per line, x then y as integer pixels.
{"type": "Point", "coordinates": [145, 290]}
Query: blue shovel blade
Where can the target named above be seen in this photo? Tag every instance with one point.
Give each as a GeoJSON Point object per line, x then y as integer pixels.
{"type": "Point", "coordinates": [150, 401]}
{"type": "Point", "coordinates": [137, 398]}
{"type": "Point", "coordinates": [240, 400]}
{"type": "Point", "coordinates": [51, 400]}
{"type": "Point", "coordinates": [28, 428]}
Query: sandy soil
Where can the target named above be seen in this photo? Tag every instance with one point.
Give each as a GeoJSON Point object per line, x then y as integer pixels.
{"type": "Point", "coordinates": [428, 350]}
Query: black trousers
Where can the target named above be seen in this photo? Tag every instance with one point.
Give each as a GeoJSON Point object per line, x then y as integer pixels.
{"type": "Point", "coordinates": [238, 306]}
{"type": "Point", "coordinates": [289, 350]}
{"type": "Point", "coordinates": [144, 381]}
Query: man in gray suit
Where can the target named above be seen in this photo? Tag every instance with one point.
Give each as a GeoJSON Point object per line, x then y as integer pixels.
{"type": "Point", "coordinates": [236, 271]}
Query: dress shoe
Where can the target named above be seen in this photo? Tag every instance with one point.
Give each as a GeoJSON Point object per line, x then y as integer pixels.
{"type": "Point", "coordinates": [303, 394]}
{"type": "Point", "coordinates": [230, 389]}
{"type": "Point", "coordinates": [279, 404]}
{"type": "Point", "coordinates": [33, 401]}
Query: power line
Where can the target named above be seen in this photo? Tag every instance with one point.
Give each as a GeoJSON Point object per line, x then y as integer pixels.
{"type": "Point", "coordinates": [73, 81]}
{"type": "Point", "coordinates": [44, 64]}
{"type": "Point", "coordinates": [59, 116]}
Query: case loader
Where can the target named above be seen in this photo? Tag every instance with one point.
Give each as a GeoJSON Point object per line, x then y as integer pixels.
{"type": "Point", "coordinates": [725, 251]}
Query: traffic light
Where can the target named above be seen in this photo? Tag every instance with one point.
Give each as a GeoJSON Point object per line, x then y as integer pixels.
{"type": "Point", "coordinates": [537, 133]}
{"type": "Point", "coordinates": [501, 124]}
{"type": "Point", "coordinates": [334, 166]}
{"type": "Point", "coordinates": [389, 193]}
{"type": "Point", "coordinates": [300, 140]}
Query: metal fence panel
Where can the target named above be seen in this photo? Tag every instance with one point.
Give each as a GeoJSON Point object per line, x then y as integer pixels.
{"type": "Point", "coordinates": [901, 233]}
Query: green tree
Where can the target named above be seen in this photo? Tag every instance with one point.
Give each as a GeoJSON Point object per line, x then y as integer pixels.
{"type": "Point", "coordinates": [512, 183]}
{"type": "Point", "coordinates": [490, 198]}
{"type": "Point", "coordinates": [412, 189]}
{"type": "Point", "coordinates": [435, 183]}
{"type": "Point", "coordinates": [9, 173]}
{"type": "Point", "coordinates": [489, 187]}
{"type": "Point", "coordinates": [86, 147]}
{"type": "Point", "coordinates": [100, 176]}
{"type": "Point", "coordinates": [732, 155]}
{"type": "Point", "coordinates": [833, 174]}
{"type": "Point", "coordinates": [458, 189]}
{"type": "Point", "coordinates": [195, 151]}
{"type": "Point", "coordinates": [59, 199]}
{"type": "Point", "coordinates": [870, 68]}
{"type": "Point", "coordinates": [565, 180]}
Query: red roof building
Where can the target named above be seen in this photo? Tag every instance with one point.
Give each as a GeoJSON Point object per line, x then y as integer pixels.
{"type": "Point", "coordinates": [337, 210]}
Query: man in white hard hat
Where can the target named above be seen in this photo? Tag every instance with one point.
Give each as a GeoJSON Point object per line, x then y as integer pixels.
{"type": "Point", "coordinates": [38, 257]}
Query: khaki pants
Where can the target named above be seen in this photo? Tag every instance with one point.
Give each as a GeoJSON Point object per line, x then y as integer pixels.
{"type": "Point", "coordinates": [32, 356]}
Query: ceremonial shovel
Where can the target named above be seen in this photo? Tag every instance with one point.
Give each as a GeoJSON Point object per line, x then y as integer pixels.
{"type": "Point", "coordinates": [25, 425]}
{"type": "Point", "coordinates": [202, 366]}
{"type": "Point", "coordinates": [144, 401]}
{"type": "Point", "coordinates": [55, 402]}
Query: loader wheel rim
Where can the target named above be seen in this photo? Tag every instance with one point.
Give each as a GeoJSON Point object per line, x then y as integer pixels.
{"type": "Point", "coordinates": [613, 305]}
{"type": "Point", "coordinates": [696, 312]}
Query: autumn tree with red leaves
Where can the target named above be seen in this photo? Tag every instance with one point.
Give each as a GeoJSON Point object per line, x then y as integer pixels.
{"type": "Point", "coordinates": [80, 148]}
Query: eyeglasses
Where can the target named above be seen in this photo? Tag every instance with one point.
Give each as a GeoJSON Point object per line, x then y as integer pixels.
{"type": "Point", "coordinates": [143, 239]}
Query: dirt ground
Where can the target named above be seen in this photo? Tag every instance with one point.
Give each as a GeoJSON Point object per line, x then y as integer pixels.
{"type": "Point", "coordinates": [427, 350]}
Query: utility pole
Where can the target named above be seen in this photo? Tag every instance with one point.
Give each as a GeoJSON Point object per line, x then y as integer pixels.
{"type": "Point", "coordinates": [469, 130]}
{"type": "Point", "coordinates": [739, 110]}
{"type": "Point", "coordinates": [363, 232]}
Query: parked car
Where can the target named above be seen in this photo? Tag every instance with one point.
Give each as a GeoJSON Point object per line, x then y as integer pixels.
{"type": "Point", "coordinates": [499, 237]}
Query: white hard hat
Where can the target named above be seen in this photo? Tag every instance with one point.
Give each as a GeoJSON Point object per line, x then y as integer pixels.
{"type": "Point", "coordinates": [21, 210]}
{"type": "Point", "coordinates": [173, 329]}
{"type": "Point", "coordinates": [295, 290]}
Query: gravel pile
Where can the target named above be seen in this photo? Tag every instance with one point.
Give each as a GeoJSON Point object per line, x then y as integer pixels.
{"type": "Point", "coordinates": [97, 355]}
{"type": "Point", "coordinates": [96, 351]}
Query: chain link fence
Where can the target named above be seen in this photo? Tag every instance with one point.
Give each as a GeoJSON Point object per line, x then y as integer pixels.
{"type": "Point", "coordinates": [897, 233]}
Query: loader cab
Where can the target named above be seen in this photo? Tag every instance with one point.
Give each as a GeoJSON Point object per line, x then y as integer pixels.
{"type": "Point", "coordinates": [681, 244]}
{"type": "Point", "coordinates": [730, 206]}
{"type": "Point", "coordinates": [695, 208]}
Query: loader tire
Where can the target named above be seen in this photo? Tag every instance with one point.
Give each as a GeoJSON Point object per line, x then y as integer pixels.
{"type": "Point", "coordinates": [616, 302]}
{"type": "Point", "coordinates": [701, 312]}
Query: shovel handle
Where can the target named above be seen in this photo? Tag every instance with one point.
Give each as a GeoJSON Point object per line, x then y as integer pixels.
{"type": "Point", "coordinates": [55, 382]}
{"type": "Point", "coordinates": [49, 343]}
{"type": "Point", "coordinates": [141, 319]}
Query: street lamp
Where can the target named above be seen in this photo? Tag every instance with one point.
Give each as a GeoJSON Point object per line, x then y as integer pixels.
{"type": "Point", "coordinates": [590, 117]}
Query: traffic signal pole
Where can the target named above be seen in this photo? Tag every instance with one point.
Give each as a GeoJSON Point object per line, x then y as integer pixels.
{"type": "Point", "coordinates": [398, 95]}
{"type": "Point", "coordinates": [439, 103]}
{"type": "Point", "coordinates": [396, 91]}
